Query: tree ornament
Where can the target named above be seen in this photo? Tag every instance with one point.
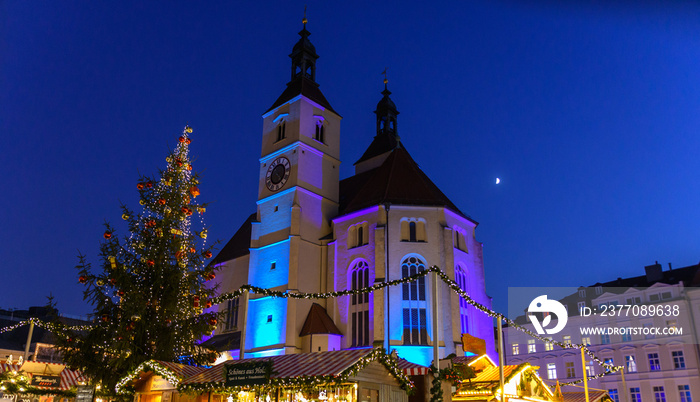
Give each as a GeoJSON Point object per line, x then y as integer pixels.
{"type": "Point", "coordinates": [203, 234]}
{"type": "Point", "coordinates": [201, 210]}
{"type": "Point", "coordinates": [167, 210]}
{"type": "Point", "coordinates": [108, 235]}
{"type": "Point", "coordinates": [179, 255]}
{"type": "Point", "coordinates": [105, 317]}
{"type": "Point", "coordinates": [194, 191]}
{"type": "Point", "coordinates": [151, 223]}
{"type": "Point", "coordinates": [161, 201]}
{"type": "Point", "coordinates": [189, 166]}
{"type": "Point", "coordinates": [184, 210]}
{"type": "Point", "coordinates": [193, 250]}
{"type": "Point", "coordinates": [195, 302]}
{"type": "Point", "coordinates": [125, 217]}
{"type": "Point", "coordinates": [142, 202]}
{"type": "Point", "coordinates": [210, 276]}
{"type": "Point", "coordinates": [181, 139]}
{"type": "Point", "coordinates": [176, 231]}
{"type": "Point", "coordinates": [168, 159]}
{"type": "Point", "coordinates": [112, 262]}
{"type": "Point", "coordinates": [100, 282]}
{"type": "Point", "coordinates": [208, 304]}
{"type": "Point", "coordinates": [120, 293]}
{"type": "Point", "coordinates": [82, 279]}
{"type": "Point", "coordinates": [159, 232]}
{"type": "Point", "coordinates": [188, 129]}
{"type": "Point", "coordinates": [207, 254]}
{"type": "Point", "coordinates": [150, 263]}
{"type": "Point", "coordinates": [136, 317]}
{"type": "Point", "coordinates": [186, 199]}
{"type": "Point", "coordinates": [149, 184]}
{"type": "Point", "coordinates": [113, 281]}
{"type": "Point", "coordinates": [168, 322]}
{"type": "Point", "coordinates": [212, 321]}
{"type": "Point", "coordinates": [188, 141]}
{"type": "Point", "coordinates": [139, 186]}
{"type": "Point", "coordinates": [168, 181]}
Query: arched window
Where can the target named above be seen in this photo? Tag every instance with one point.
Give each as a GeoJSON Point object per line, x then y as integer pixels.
{"type": "Point", "coordinates": [320, 137]}
{"type": "Point", "coordinates": [359, 309]}
{"type": "Point", "coordinates": [281, 128]}
{"type": "Point", "coordinates": [412, 231]}
{"type": "Point", "coordinates": [461, 279]}
{"type": "Point", "coordinates": [358, 235]}
{"type": "Point", "coordinates": [415, 328]}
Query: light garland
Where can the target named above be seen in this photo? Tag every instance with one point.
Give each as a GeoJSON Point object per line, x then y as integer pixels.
{"type": "Point", "coordinates": [153, 365]}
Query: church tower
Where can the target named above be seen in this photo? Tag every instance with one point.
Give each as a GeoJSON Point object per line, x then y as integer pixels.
{"type": "Point", "coordinates": [297, 198]}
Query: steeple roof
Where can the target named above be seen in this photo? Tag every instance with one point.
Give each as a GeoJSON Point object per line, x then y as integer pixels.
{"type": "Point", "coordinates": [399, 180]}
{"type": "Point", "coordinates": [303, 79]}
{"type": "Point", "coordinates": [387, 137]}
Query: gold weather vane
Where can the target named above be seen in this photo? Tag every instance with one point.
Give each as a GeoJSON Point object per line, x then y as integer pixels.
{"type": "Point", "coordinates": [304, 21]}
{"type": "Point", "coordinates": [386, 81]}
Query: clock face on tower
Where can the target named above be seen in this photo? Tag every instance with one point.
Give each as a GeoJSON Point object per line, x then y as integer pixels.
{"type": "Point", "coordinates": [277, 173]}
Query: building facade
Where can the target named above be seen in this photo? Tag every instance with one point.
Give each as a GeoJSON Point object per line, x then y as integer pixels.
{"type": "Point", "coordinates": [313, 232]}
{"type": "Point", "coordinates": [658, 367]}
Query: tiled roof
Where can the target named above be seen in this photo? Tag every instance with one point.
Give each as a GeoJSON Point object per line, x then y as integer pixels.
{"type": "Point", "coordinates": [294, 365]}
{"type": "Point", "coordinates": [302, 86]}
{"type": "Point", "coordinates": [318, 322]}
{"type": "Point", "coordinates": [239, 245]}
{"type": "Point", "coordinates": [382, 142]}
{"type": "Point", "coordinates": [398, 180]}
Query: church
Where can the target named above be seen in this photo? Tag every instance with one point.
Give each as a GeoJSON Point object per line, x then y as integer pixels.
{"type": "Point", "coordinates": [313, 232]}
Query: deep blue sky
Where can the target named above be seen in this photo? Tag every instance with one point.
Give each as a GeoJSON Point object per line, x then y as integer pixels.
{"type": "Point", "coordinates": [588, 112]}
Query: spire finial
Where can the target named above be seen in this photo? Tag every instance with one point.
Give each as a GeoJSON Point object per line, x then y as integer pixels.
{"type": "Point", "coordinates": [304, 21]}
{"type": "Point", "coordinates": [386, 81]}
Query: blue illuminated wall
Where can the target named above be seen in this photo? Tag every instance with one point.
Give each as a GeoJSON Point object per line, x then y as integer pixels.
{"type": "Point", "coordinates": [259, 331]}
{"type": "Point", "coordinates": [261, 259]}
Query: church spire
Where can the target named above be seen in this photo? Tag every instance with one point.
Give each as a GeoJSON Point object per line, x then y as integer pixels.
{"type": "Point", "coordinates": [304, 55]}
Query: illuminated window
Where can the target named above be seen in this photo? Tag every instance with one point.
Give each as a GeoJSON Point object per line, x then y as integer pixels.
{"type": "Point", "coordinates": [549, 346]}
{"type": "Point", "coordinates": [684, 393]}
{"type": "Point", "coordinates": [586, 340]}
{"type": "Point", "coordinates": [359, 310]}
{"type": "Point", "coordinates": [678, 359]}
{"type": "Point", "coordinates": [461, 279]}
{"type": "Point", "coordinates": [566, 339]}
{"type": "Point", "coordinates": [531, 347]}
{"type": "Point", "coordinates": [551, 371]}
{"type": "Point", "coordinates": [570, 370]}
{"type": "Point", "coordinates": [630, 364]}
{"type": "Point", "coordinates": [609, 361]}
{"type": "Point", "coordinates": [232, 315]}
{"type": "Point", "coordinates": [659, 394]}
{"type": "Point", "coordinates": [516, 349]}
{"type": "Point", "coordinates": [590, 371]}
{"type": "Point", "coordinates": [654, 363]}
{"type": "Point", "coordinates": [635, 395]}
{"type": "Point", "coordinates": [415, 330]}
{"type": "Point", "coordinates": [358, 235]}
{"type": "Point", "coordinates": [614, 395]}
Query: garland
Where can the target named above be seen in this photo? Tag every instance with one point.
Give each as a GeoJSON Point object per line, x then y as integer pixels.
{"type": "Point", "coordinates": [609, 368]}
{"type": "Point", "coordinates": [154, 366]}
{"type": "Point", "coordinates": [305, 382]}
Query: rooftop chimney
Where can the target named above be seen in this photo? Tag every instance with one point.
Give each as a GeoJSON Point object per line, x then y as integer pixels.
{"type": "Point", "coordinates": [654, 272]}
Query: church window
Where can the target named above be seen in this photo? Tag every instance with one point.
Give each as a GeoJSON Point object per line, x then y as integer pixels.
{"type": "Point", "coordinates": [413, 229]}
{"type": "Point", "coordinates": [320, 132]}
{"type": "Point", "coordinates": [359, 309]}
{"type": "Point", "coordinates": [461, 279]}
{"type": "Point", "coordinates": [460, 239]}
{"type": "Point", "coordinates": [273, 265]}
{"type": "Point", "coordinates": [415, 329]}
{"type": "Point", "coordinates": [281, 130]}
{"type": "Point", "coordinates": [358, 235]}
{"type": "Point", "coordinates": [232, 315]}
{"type": "Point", "coordinates": [269, 318]}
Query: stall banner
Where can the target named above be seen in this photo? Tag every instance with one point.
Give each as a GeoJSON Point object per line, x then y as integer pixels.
{"type": "Point", "coordinates": [48, 381]}
{"type": "Point", "coordinates": [252, 373]}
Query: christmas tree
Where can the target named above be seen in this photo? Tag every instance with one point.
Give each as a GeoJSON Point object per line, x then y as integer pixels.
{"type": "Point", "coordinates": [150, 293]}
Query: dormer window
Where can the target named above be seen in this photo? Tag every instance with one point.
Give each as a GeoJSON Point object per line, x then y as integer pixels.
{"type": "Point", "coordinates": [413, 229]}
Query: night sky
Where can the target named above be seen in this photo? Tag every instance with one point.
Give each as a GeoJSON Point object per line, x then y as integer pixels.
{"type": "Point", "coordinates": [587, 112]}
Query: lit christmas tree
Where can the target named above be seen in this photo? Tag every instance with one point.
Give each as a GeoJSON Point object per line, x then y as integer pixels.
{"type": "Point", "coordinates": [150, 293]}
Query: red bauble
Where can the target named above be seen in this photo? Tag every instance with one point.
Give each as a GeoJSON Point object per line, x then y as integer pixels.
{"type": "Point", "coordinates": [188, 142]}
{"type": "Point", "coordinates": [120, 293]}
{"type": "Point", "coordinates": [193, 250]}
{"type": "Point", "coordinates": [211, 276]}
{"type": "Point", "coordinates": [151, 223]}
{"type": "Point", "coordinates": [168, 322]}
{"type": "Point", "coordinates": [208, 304]}
{"type": "Point", "coordinates": [82, 279]}
{"type": "Point", "coordinates": [207, 254]}
{"type": "Point", "coordinates": [161, 201]}
{"type": "Point", "coordinates": [113, 281]}
{"type": "Point", "coordinates": [184, 210]}
{"type": "Point", "coordinates": [189, 167]}
{"type": "Point", "coordinates": [212, 321]}
{"type": "Point", "coordinates": [196, 302]}
{"type": "Point", "coordinates": [149, 184]}
{"type": "Point", "coordinates": [105, 318]}
{"type": "Point", "coordinates": [108, 235]}
{"type": "Point", "coordinates": [181, 139]}
{"type": "Point", "coordinates": [139, 186]}
{"type": "Point", "coordinates": [150, 263]}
